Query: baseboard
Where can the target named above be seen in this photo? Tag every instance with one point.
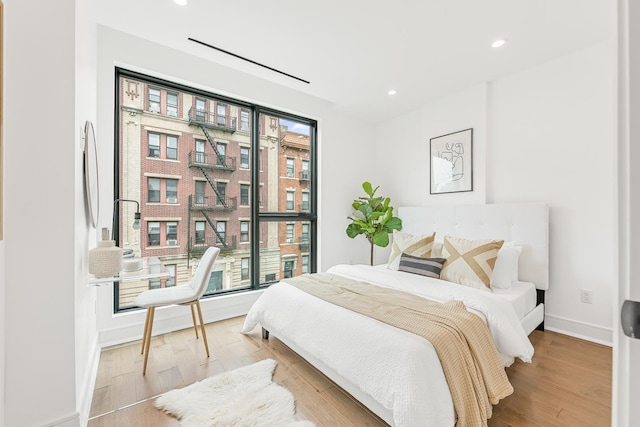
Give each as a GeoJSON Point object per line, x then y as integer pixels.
{"type": "Point", "coordinates": [89, 383]}
{"type": "Point", "coordinates": [583, 330]}
{"type": "Point", "coordinates": [169, 319]}
{"type": "Point", "coordinates": [72, 420]}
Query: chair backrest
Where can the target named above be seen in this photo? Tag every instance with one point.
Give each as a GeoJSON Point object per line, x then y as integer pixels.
{"type": "Point", "coordinates": [200, 279]}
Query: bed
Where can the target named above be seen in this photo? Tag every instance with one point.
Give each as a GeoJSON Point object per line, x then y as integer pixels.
{"type": "Point", "coordinates": [395, 373]}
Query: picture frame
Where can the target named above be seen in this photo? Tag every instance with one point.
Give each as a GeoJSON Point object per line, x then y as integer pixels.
{"type": "Point", "coordinates": [451, 160]}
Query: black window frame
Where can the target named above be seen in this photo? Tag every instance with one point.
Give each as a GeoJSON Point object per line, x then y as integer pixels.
{"type": "Point", "coordinates": [258, 217]}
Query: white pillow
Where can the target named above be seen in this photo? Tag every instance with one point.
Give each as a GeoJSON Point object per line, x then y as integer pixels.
{"type": "Point", "coordinates": [416, 245]}
{"type": "Point", "coordinates": [436, 250]}
{"type": "Point", "coordinates": [506, 269]}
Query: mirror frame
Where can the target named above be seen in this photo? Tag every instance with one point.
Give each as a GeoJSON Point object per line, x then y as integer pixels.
{"type": "Point", "coordinates": [91, 173]}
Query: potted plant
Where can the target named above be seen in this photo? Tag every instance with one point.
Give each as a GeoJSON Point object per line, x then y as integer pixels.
{"type": "Point", "coordinates": [373, 217]}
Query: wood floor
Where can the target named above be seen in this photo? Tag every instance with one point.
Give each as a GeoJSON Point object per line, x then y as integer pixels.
{"type": "Point", "coordinates": [567, 384]}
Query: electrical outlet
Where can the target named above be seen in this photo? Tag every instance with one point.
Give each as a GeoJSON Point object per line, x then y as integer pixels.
{"type": "Point", "coordinates": [586, 296]}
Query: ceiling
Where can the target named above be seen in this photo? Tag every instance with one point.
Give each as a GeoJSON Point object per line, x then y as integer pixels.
{"type": "Point", "coordinates": [354, 51]}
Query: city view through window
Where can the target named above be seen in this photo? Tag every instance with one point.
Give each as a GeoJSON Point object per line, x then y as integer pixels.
{"type": "Point", "coordinates": [203, 175]}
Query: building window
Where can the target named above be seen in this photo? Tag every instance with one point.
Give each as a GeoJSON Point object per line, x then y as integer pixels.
{"type": "Point", "coordinates": [200, 186]}
{"type": "Point", "coordinates": [305, 233]}
{"type": "Point", "coordinates": [305, 170]}
{"type": "Point", "coordinates": [305, 264]}
{"type": "Point", "coordinates": [172, 104]}
{"type": "Point", "coordinates": [221, 189]}
{"type": "Point", "coordinates": [215, 282]}
{"type": "Point", "coordinates": [154, 190]}
{"type": "Point", "coordinates": [244, 120]}
{"type": "Point", "coordinates": [171, 281]}
{"type": "Point", "coordinates": [244, 231]}
{"type": "Point", "coordinates": [200, 232]}
{"type": "Point", "coordinates": [244, 194]}
{"type": "Point", "coordinates": [154, 145]}
{"type": "Point", "coordinates": [290, 200]}
{"type": "Point", "coordinates": [290, 167]}
{"type": "Point", "coordinates": [288, 269]}
{"type": "Point", "coordinates": [153, 230]}
{"type": "Point", "coordinates": [305, 201]}
{"type": "Point", "coordinates": [172, 234]}
{"type": "Point", "coordinates": [172, 147]}
{"type": "Point", "coordinates": [289, 233]}
{"type": "Point", "coordinates": [244, 158]}
{"type": "Point", "coordinates": [221, 231]}
{"type": "Point", "coordinates": [201, 112]}
{"type": "Point", "coordinates": [244, 269]}
{"type": "Point", "coordinates": [221, 113]}
{"type": "Point", "coordinates": [222, 154]}
{"type": "Point", "coordinates": [199, 151]}
{"type": "Point", "coordinates": [172, 190]}
{"type": "Point", "coordinates": [154, 100]}
{"type": "Point", "coordinates": [271, 277]}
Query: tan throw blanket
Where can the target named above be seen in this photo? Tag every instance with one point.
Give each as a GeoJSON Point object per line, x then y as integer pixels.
{"type": "Point", "coordinates": [469, 358]}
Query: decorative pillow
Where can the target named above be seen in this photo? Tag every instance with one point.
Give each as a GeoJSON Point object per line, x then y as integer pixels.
{"type": "Point", "coordinates": [506, 270]}
{"type": "Point", "coordinates": [436, 250]}
{"type": "Point", "coordinates": [470, 262]}
{"type": "Point", "coordinates": [416, 245]}
{"type": "Point", "coordinates": [429, 267]}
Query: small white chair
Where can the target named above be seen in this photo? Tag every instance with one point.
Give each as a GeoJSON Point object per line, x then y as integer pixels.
{"type": "Point", "coordinates": [178, 295]}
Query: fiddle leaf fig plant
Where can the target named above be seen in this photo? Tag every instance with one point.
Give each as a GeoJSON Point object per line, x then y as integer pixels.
{"type": "Point", "coordinates": [373, 217]}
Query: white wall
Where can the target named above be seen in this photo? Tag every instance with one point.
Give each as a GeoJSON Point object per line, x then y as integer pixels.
{"type": "Point", "coordinates": [562, 116]}
{"type": "Point", "coordinates": [87, 348]}
{"type": "Point", "coordinates": [341, 142]}
{"type": "Point", "coordinates": [2, 328]}
{"type": "Point", "coordinates": [545, 134]}
{"type": "Point", "coordinates": [41, 167]}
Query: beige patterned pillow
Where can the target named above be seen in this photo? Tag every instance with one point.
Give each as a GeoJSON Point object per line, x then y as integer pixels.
{"type": "Point", "coordinates": [416, 245]}
{"type": "Point", "coordinates": [470, 262]}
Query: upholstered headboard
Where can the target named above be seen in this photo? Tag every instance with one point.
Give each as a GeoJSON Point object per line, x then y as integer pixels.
{"type": "Point", "coordinates": [525, 223]}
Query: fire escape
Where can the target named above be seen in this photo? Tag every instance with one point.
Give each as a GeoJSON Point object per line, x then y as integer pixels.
{"type": "Point", "coordinates": [203, 162]}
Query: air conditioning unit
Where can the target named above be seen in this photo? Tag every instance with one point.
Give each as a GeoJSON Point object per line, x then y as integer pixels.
{"type": "Point", "coordinates": [172, 242]}
{"type": "Point", "coordinates": [172, 200]}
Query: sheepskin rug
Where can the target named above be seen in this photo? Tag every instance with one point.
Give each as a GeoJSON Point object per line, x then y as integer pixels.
{"type": "Point", "coordinates": [244, 397]}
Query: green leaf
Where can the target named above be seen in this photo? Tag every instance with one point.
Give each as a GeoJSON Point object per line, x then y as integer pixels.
{"type": "Point", "coordinates": [381, 239]}
{"type": "Point", "coordinates": [353, 230]}
{"type": "Point", "coordinates": [366, 210]}
{"type": "Point", "coordinates": [366, 186]}
{"type": "Point", "coordinates": [394, 223]}
{"type": "Point", "coordinates": [358, 215]}
{"type": "Point", "coordinates": [356, 205]}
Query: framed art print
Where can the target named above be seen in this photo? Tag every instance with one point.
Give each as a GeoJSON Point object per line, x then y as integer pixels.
{"type": "Point", "coordinates": [452, 162]}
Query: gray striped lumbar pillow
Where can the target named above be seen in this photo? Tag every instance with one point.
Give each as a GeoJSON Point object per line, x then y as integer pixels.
{"type": "Point", "coordinates": [429, 267]}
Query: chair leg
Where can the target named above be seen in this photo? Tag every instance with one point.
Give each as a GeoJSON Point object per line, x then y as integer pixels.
{"type": "Point", "coordinates": [193, 317]}
{"type": "Point", "coordinates": [144, 334]}
{"type": "Point", "coordinates": [204, 333]}
{"type": "Point", "coordinates": [152, 311]}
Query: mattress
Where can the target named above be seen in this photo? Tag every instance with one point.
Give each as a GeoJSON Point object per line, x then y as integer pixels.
{"type": "Point", "coordinates": [521, 295]}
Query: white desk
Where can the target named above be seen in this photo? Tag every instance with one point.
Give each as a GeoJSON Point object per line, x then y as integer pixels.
{"type": "Point", "coordinates": [152, 268]}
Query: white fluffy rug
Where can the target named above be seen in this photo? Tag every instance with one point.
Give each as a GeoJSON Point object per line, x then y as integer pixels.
{"type": "Point", "coordinates": [244, 397]}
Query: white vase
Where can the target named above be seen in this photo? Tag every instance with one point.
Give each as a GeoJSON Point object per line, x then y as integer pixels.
{"type": "Point", "coordinates": [106, 259]}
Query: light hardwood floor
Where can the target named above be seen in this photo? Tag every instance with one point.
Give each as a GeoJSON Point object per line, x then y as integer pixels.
{"type": "Point", "coordinates": [567, 384]}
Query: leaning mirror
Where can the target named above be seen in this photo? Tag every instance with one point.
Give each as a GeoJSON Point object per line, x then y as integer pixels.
{"type": "Point", "coordinates": [91, 172]}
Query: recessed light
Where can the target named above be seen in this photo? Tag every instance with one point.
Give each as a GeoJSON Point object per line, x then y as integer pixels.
{"type": "Point", "coordinates": [498, 43]}
{"type": "Point", "coordinates": [392, 92]}
{"type": "Point", "coordinates": [180, 2]}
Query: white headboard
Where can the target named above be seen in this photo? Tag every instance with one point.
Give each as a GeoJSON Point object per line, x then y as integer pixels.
{"type": "Point", "coordinates": [525, 223]}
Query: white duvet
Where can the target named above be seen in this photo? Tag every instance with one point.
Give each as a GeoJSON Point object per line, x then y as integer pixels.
{"type": "Point", "coordinates": [396, 368]}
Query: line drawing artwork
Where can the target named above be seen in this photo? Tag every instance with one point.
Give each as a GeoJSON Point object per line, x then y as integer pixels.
{"type": "Point", "coordinates": [453, 154]}
{"type": "Point", "coordinates": [451, 162]}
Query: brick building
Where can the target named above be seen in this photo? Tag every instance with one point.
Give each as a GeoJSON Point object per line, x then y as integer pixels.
{"type": "Point", "coordinates": [187, 160]}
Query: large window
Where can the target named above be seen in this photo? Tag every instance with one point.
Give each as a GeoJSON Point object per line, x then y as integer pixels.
{"type": "Point", "coordinates": [209, 170]}
{"type": "Point", "coordinates": [172, 104]}
{"type": "Point", "coordinates": [172, 147]}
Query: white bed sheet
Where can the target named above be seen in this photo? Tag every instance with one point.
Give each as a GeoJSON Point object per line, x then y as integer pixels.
{"type": "Point", "coordinates": [521, 295]}
{"type": "Point", "coordinates": [397, 369]}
